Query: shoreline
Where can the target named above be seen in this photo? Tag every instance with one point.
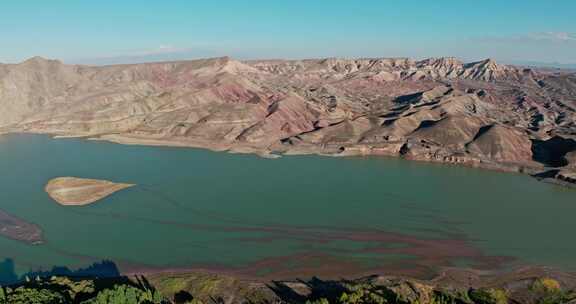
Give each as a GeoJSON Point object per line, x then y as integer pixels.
{"type": "Point", "coordinates": [531, 171]}
{"type": "Point", "coordinates": [525, 285]}
{"type": "Point", "coordinates": [474, 163]}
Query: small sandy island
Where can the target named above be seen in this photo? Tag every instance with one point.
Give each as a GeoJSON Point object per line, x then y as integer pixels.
{"type": "Point", "coordinates": [74, 191]}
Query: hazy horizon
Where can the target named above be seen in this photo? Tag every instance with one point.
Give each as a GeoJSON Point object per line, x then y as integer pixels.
{"type": "Point", "coordinates": [107, 32]}
{"type": "Point", "coordinates": [104, 61]}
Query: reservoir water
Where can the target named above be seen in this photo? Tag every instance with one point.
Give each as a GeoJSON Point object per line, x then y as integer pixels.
{"type": "Point", "coordinates": [285, 217]}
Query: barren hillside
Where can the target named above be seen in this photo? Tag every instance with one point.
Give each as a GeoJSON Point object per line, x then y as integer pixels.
{"type": "Point", "coordinates": [440, 109]}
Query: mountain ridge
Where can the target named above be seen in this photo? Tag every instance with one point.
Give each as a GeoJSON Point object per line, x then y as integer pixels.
{"type": "Point", "coordinates": [481, 114]}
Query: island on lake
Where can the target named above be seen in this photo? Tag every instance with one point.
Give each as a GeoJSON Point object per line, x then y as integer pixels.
{"type": "Point", "coordinates": [74, 191]}
{"type": "Point", "coordinates": [18, 229]}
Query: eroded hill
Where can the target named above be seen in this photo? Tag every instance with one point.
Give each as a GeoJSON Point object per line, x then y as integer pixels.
{"type": "Point", "coordinates": [479, 114]}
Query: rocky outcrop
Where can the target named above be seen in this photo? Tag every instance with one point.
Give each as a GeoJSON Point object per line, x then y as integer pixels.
{"type": "Point", "coordinates": [73, 191]}
{"type": "Point", "coordinates": [559, 177]}
{"type": "Point", "coordinates": [567, 177]}
{"type": "Point", "coordinates": [438, 109]}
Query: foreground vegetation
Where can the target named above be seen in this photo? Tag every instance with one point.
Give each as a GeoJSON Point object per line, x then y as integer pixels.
{"type": "Point", "coordinates": [207, 288]}
{"type": "Point", "coordinates": [542, 291]}
{"type": "Point", "coordinates": [56, 290]}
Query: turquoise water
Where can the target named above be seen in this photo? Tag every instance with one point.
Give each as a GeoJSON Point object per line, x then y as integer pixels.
{"type": "Point", "coordinates": [202, 209]}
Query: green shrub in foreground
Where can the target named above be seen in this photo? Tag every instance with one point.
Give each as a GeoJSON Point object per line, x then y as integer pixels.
{"type": "Point", "coordinates": [25, 295]}
{"type": "Point", "coordinates": [123, 294]}
{"type": "Point", "coordinates": [489, 296]}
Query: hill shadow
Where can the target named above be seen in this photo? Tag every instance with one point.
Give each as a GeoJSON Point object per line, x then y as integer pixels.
{"type": "Point", "coordinates": [552, 152]}
{"type": "Point", "coordinates": [313, 289]}
{"type": "Point", "coordinates": [102, 275]}
{"type": "Point", "coordinates": [7, 272]}
{"type": "Point", "coordinates": [103, 269]}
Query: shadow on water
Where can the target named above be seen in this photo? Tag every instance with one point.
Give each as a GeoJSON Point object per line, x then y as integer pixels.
{"type": "Point", "coordinates": [7, 272]}
{"type": "Point", "coordinates": [104, 269]}
{"type": "Point", "coordinates": [102, 276]}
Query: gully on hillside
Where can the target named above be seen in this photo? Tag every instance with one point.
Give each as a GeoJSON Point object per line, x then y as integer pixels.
{"type": "Point", "coordinates": [479, 114]}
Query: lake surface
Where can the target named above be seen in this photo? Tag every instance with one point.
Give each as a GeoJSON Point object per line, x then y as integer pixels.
{"type": "Point", "coordinates": [284, 217]}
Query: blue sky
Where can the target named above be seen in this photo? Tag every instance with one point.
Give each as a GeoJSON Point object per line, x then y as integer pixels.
{"type": "Point", "coordinates": [124, 30]}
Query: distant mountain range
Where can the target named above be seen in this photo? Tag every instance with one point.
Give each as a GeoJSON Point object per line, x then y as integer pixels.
{"type": "Point", "coordinates": [193, 54]}
{"type": "Point", "coordinates": [556, 65]}
{"type": "Point", "coordinates": [439, 109]}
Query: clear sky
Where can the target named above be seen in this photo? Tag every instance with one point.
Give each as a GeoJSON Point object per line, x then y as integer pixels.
{"type": "Point", "coordinates": [92, 30]}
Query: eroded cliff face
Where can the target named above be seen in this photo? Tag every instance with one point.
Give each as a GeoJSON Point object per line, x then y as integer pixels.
{"type": "Point", "coordinates": [440, 109]}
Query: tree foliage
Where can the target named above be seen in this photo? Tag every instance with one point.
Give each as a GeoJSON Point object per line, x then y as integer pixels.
{"type": "Point", "coordinates": [25, 295]}
{"type": "Point", "coordinates": [123, 294]}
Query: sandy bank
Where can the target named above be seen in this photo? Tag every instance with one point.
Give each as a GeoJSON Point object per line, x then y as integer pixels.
{"type": "Point", "coordinates": [73, 191]}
